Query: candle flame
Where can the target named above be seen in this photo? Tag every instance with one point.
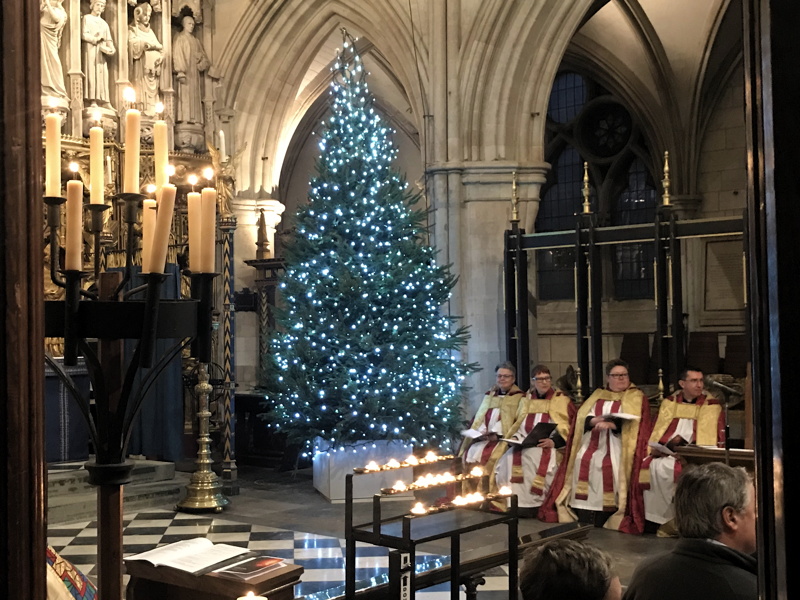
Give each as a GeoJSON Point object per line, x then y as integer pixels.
{"type": "Point", "coordinates": [419, 509]}
{"type": "Point", "coordinates": [430, 457]}
{"type": "Point", "coordinates": [192, 179]}
{"type": "Point", "coordinates": [170, 170]}
{"type": "Point", "coordinates": [129, 95]}
{"type": "Point", "coordinates": [159, 107]}
{"type": "Point", "coordinates": [392, 464]}
{"type": "Point", "coordinates": [372, 466]}
{"type": "Point", "coordinates": [412, 460]}
{"type": "Point", "coordinates": [504, 491]}
{"type": "Point", "coordinates": [151, 188]}
{"type": "Point", "coordinates": [476, 471]}
{"type": "Point", "coordinates": [208, 173]}
{"type": "Point", "coordinates": [400, 486]}
{"type": "Point", "coordinates": [97, 116]}
{"type": "Point", "coordinates": [52, 102]}
{"type": "Point", "coordinates": [73, 166]}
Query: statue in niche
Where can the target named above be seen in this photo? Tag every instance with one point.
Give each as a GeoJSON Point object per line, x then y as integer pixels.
{"type": "Point", "coordinates": [226, 178]}
{"type": "Point", "coordinates": [52, 22]}
{"type": "Point", "coordinates": [97, 45]}
{"type": "Point", "coordinates": [189, 60]}
{"type": "Point", "coordinates": [147, 56]}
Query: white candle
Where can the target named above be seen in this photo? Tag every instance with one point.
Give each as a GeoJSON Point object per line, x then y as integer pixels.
{"type": "Point", "coordinates": [133, 119]}
{"type": "Point", "coordinates": [52, 129]}
{"type": "Point", "coordinates": [195, 226]}
{"type": "Point", "coordinates": [208, 209]}
{"type": "Point", "coordinates": [108, 169]}
{"type": "Point", "coordinates": [222, 155]}
{"type": "Point", "coordinates": [160, 152]}
{"type": "Point", "coordinates": [166, 206]}
{"type": "Point", "coordinates": [96, 173]}
{"type": "Point", "coordinates": [74, 243]}
{"type": "Point", "coordinates": [148, 230]}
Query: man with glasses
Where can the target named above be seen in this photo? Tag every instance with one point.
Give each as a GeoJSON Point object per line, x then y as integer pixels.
{"type": "Point", "coordinates": [497, 412]}
{"type": "Point", "coordinates": [598, 482]}
{"type": "Point", "coordinates": [715, 512]}
{"type": "Point", "coordinates": [529, 466]}
{"type": "Point", "coordinates": [686, 417]}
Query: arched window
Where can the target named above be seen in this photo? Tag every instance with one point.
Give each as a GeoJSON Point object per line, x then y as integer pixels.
{"type": "Point", "coordinates": [585, 123]}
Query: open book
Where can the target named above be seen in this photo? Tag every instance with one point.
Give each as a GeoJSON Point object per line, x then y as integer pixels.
{"type": "Point", "coordinates": [250, 568]}
{"type": "Point", "coordinates": [471, 433]}
{"type": "Point", "coordinates": [662, 448]}
{"type": "Point", "coordinates": [539, 432]}
{"type": "Point", "coordinates": [196, 556]}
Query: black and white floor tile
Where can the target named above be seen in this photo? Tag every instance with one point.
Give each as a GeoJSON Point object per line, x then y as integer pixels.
{"type": "Point", "coordinates": [322, 557]}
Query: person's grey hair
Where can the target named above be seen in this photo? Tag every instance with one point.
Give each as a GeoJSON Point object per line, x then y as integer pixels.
{"type": "Point", "coordinates": [506, 365]}
{"type": "Point", "coordinates": [565, 569]}
{"type": "Point", "coordinates": [701, 494]}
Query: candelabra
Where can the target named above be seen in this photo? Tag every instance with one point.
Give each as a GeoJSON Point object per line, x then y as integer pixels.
{"type": "Point", "coordinates": [109, 314]}
{"type": "Point", "coordinates": [204, 491]}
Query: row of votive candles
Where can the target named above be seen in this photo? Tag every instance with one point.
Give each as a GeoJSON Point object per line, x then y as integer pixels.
{"type": "Point", "coordinates": [420, 509]}
{"type": "Point", "coordinates": [156, 214]}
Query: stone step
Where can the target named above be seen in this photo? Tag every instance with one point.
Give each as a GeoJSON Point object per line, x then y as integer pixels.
{"type": "Point", "coordinates": [72, 478]}
{"type": "Point", "coordinates": [82, 506]}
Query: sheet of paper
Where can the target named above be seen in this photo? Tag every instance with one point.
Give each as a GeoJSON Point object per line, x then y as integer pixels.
{"type": "Point", "coordinates": [471, 433]}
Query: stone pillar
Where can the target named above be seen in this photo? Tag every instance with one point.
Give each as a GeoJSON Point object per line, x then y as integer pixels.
{"type": "Point", "coordinates": [230, 484]}
{"type": "Point", "coordinates": [486, 216]}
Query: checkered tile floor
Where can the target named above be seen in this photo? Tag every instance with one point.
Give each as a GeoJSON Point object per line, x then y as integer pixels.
{"type": "Point", "coordinates": [321, 556]}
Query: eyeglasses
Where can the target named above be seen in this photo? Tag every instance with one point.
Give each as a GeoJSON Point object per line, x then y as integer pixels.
{"type": "Point", "coordinates": [544, 378]}
{"type": "Point", "coordinates": [499, 376]}
{"type": "Point", "coordinates": [618, 375]}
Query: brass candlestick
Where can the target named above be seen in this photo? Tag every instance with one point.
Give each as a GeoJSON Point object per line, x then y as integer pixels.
{"type": "Point", "coordinates": [204, 491]}
{"type": "Point", "coordinates": [665, 181]}
{"type": "Point", "coordinates": [586, 206]}
{"type": "Point", "coordinates": [514, 198]}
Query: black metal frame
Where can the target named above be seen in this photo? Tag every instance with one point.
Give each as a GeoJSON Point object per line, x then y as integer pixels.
{"type": "Point", "coordinates": [403, 534]}
{"type": "Point", "coordinates": [666, 233]}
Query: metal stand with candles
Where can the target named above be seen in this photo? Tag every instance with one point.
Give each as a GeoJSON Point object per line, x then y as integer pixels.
{"type": "Point", "coordinates": [204, 491]}
{"type": "Point", "coordinates": [109, 316]}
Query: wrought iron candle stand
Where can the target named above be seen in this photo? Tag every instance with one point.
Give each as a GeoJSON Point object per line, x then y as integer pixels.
{"type": "Point", "coordinates": [109, 316]}
{"type": "Point", "coordinates": [204, 491]}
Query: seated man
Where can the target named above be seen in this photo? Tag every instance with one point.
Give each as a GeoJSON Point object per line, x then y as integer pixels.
{"type": "Point", "coordinates": [567, 569]}
{"type": "Point", "coordinates": [529, 469]}
{"type": "Point", "coordinates": [715, 514]}
{"type": "Point", "coordinates": [493, 421]}
{"type": "Point", "coordinates": [687, 417]}
{"type": "Point", "coordinates": [596, 484]}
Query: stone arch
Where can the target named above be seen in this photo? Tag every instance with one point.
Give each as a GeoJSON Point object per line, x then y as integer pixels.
{"type": "Point", "coordinates": [265, 67]}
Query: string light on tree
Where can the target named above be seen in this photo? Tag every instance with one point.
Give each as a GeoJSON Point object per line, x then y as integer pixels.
{"type": "Point", "coordinates": [366, 353]}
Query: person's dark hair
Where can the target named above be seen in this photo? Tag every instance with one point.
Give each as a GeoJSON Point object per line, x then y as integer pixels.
{"type": "Point", "coordinates": [540, 369]}
{"type": "Point", "coordinates": [701, 494]}
{"type": "Point", "coordinates": [616, 362]}
{"type": "Point", "coordinates": [685, 372]}
{"type": "Point", "coordinates": [506, 365]}
{"type": "Point", "coordinates": [565, 569]}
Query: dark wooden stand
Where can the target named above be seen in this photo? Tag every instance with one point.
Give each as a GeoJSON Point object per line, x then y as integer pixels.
{"type": "Point", "coordinates": [698, 455]}
{"type": "Point", "coordinates": [148, 582]}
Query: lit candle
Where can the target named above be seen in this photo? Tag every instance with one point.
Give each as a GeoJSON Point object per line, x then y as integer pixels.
{"type": "Point", "coordinates": [160, 151]}
{"type": "Point", "coordinates": [96, 186]}
{"type": "Point", "coordinates": [195, 230]}
{"type": "Point", "coordinates": [52, 129]}
{"type": "Point", "coordinates": [133, 119]}
{"type": "Point", "coordinates": [74, 243]}
{"type": "Point", "coordinates": [419, 509]}
{"type": "Point", "coordinates": [166, 206]}
{"type": "Point", "coordinates": [251, 596]}
{"type": "Point", "coordinates": [208, 210]}
{"type": "Point", "coordinates": [148, 230]}
{"type": "Point", "coordinates": [504, 491]}
{"type": "Point", "coordinates": [222, 156]}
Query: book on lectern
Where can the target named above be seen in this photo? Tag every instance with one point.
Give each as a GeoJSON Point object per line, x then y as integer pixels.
{"type": "Point", "coordinates": [539, 432]}
{"type": "Point", "coordinates": [250, 568]}
{"type": "Point", "coordinates": [196, 556]}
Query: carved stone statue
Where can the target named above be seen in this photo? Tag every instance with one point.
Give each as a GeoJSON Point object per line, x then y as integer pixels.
{"type": "Point", "coordinates": [97, 45]}
{"type": "Point", "coordinates": [147, 55]}
{"type": "Point", "coordinates": [189, 60]}
{"type": "Point", "coordinates": [226, 178]}
{"type": "Point", "coordinates": [53, 20]}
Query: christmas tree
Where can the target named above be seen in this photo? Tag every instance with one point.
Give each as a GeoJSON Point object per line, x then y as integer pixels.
{"type": "Point", "coordinates": [364, 353]}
